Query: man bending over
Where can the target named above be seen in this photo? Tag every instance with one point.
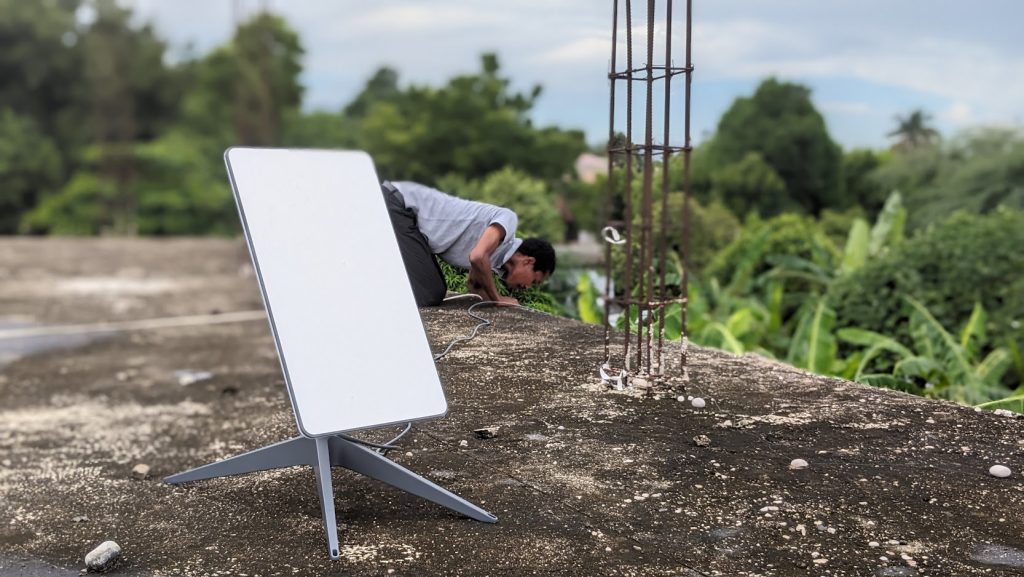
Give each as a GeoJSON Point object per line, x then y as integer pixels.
{"type": "Point", "coordinates": [475, 236]}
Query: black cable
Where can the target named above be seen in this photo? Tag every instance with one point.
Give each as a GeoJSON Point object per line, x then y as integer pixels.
{"type": "Point", "coordinates": [383, 448]}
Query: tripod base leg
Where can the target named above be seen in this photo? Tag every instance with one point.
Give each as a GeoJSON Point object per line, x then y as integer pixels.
{"type": "Point", "coordinates": [362, 460]}
{"type": "Point", "coordinates": [322, 453]}
{"type": "Point", "coordinates": [325, 489]}
{"type": "Point", "coordinates": [297, 451]}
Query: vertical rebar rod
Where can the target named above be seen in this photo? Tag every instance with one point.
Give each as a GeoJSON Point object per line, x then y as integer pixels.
{"type": "Point", "coordinates": [665, 184]}
{"type": "Point", "coordinates": [628, 280]}
{"type": "Point", "coordinates": [610, 205]}
{"type": "Point", "coordinates": [686, 191]}
{"type": "Point", "coordinates": [647, 248]}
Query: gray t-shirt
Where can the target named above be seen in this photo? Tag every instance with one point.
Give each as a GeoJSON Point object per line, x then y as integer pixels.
{"type": "Point", "coordinates": [453, 225]}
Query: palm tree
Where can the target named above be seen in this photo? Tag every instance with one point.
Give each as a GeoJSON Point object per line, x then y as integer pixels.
{"type": "Point", "coordinates": [913, 131]}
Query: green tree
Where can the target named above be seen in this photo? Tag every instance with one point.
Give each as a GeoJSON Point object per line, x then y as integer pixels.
{"type": "Point", "coordinates": [242, 92]}
{"type": "Point", "coordinates": [42, 68]}
{"type": "Point", "coordinates": [320, 130]}
{"type": "Point", "coordinates": [381, 87]}
{"type": "Point", "coordinates": [178, 191]}
{"type": "Point", "coordinates": [132, 96]}
{"type": "Point", "coordinates": [751, 185]}
{"type": "Point", "coordinates": [472, 126]}
{"type": "Point", "coordinates": [976, 171]}
{"type": "Point", "coordinates": [29, 166]}
{"type": "Point", "coordinates": [859, 189]}
{"type": "Point", "coordinates": [913, 131]}
{"type": "Point", "coordinates": [780, 123]}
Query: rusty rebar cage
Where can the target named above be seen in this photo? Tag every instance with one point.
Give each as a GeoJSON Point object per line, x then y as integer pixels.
{"type": "Point", "coordinates": [643, 293]}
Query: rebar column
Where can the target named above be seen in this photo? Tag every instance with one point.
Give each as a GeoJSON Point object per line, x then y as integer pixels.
{"type": "Point", "coordinates": [644, 291]}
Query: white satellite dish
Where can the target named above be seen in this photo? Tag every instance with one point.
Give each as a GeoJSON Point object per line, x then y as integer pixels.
{"type": "Point", "coordinates": [343, 316]}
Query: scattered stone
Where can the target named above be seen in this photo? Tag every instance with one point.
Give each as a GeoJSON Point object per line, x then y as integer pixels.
{"type": "Point", "coordinates": [80, 519]}
{"type": "Point", "coordinates": [697, 402]}
{"type": "Point", "coordinates": [487, 432]}
{"type": "Point", "coordinates": [536, 437]}
{"type": "Point", "coordinates": [874, 544]}
{"type": "Point", "coordinates": [998, 555]}
{"type": "Point", "coordinates": [798, 464]}
{"type": "Point", "coordinates": [141, 471]}
{"type": "Point", "coordinates": [463, 443]}
{"type": "Point", "coordinates": [723, 533]}
{"type": "Point", "coordinates": [187, 377]}
{"type": "Point", "coordinates": [702, 441]}
{"type": "Point", "coordinates": [681, 398]}
{"type": "Point", "coordinates": [103, 558]}
{"type": "Point", "coordinates": [999, 471]}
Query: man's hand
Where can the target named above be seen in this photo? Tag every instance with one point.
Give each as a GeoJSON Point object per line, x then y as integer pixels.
{"type": "Point", "coordinates": [507, 301]}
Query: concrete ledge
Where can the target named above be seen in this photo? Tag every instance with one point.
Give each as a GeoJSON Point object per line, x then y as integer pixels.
{"type": "Point", "coordinates": [586, 481]}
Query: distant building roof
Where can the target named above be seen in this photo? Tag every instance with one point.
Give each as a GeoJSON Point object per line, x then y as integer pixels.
{"type": "Point", "coordinates": [589, 166]}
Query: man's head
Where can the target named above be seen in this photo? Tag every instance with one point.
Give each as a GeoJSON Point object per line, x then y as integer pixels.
{"type": "Point", "coordinates": [531, 265]}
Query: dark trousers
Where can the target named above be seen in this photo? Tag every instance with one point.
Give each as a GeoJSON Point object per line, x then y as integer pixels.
{"type": "Point", "coordinates": [420, 263]}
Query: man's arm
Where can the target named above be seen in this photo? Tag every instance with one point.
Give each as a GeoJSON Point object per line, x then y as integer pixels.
{"type": "Point", "coordinates": [481, 279]}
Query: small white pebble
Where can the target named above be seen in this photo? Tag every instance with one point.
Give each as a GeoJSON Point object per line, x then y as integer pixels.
{"type": "Point", "coordinates": [798, 464]}
{"type": "Point", "coordinates": [874, 544]}
{"type": "Point", "coordinates": [698, 402]}
{"type": "Point", "coordinates": [999, 471]}
{"type": "Point", "coordinates": [103, 557]}
{"type": "Point", "coordinates": [681, 399]}
{"type": "Point", "coordinates": [463, 443]}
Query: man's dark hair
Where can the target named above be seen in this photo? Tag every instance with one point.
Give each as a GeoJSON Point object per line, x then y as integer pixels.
{"type": "Point", "coordinates": [542, 252]}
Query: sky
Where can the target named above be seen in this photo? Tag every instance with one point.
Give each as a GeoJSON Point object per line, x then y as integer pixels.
{"type": "Point", "coordinates": [865, 61]}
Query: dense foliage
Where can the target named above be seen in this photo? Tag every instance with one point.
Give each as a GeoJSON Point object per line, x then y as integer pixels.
{"type": "Point", "coordinates": [948, 267]}
{"type": "Point", "coordinates": [101, 132]}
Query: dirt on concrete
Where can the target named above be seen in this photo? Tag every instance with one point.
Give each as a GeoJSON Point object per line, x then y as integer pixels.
{"type": "Point", "coordinates": [585, 480]}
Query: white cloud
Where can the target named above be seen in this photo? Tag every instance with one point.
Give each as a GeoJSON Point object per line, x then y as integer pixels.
{"type": "Point", "coordinates": [587, 49]}
{"type": "Point", "coordinates": [971, 74]}
{"type": "Point", "coordinates": [384, 21]}
{"type": "Point", "coordinates": [844, 107]}
{"type": "Point", "coordinates": [959, 114]}
{"type": "Point", "coordinates": [967, 60]}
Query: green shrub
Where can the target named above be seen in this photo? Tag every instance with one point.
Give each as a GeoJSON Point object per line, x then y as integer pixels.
{"type": "Point", "coordinates": [762, 245]}
{"type": "Point", "coordinates": [947, 267]}
{"type": "Point", "coordinates": [533, 297]}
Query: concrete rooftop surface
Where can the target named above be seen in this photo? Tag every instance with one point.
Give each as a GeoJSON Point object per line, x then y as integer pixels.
{"type": "Point", "coordinates": [585, 480]}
